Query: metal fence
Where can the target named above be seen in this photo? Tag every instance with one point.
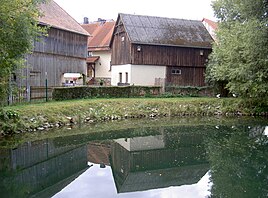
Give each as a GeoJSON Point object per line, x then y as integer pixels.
{"type": "Point", "coordinates": [31, 94]}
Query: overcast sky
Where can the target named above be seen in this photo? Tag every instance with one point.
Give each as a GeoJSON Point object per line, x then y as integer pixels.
{"type": "Point", "coordinates": [109, 9]}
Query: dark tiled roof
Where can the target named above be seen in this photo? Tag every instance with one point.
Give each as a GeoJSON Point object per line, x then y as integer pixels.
{"type": "Point", "coordinates": [166, 31]}
{"type": "Point", "coordinates": [101, 34]}
{"type": "Point", "coordinates": [55, 16]}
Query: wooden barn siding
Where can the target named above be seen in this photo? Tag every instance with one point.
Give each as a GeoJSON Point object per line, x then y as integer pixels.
{"type": "Point", "coordinates": [60, 52]}
{"type": "Point", "coordinates": [54, 65]}
{"type": "Point", "coordinates": [64, 43]}
{"type": "Point", "coordinates": [190, 76]}
{"type": "Point", "coordinates": [168, 56]}
{"type": "Point", "coordinates": [188, 60]}
{"type": "Point", "coordinates": [121, 49]}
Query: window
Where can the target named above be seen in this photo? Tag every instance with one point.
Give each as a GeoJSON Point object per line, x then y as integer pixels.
{"type": "Point", "coordinates": [176, 71]}
{"type": "Point", "coordinates": [120, 77]}
{"type": "Point", "coordinates": [126, 77]}
{"type": "Point", "coordinates": [89, 54]}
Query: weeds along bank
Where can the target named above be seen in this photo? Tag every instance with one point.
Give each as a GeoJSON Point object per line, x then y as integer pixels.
{"type": "Point", "coordinates": [43, 116]}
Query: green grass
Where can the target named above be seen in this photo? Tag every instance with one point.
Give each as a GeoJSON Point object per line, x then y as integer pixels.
{"type": "Point", "coordinates": [32, 116]}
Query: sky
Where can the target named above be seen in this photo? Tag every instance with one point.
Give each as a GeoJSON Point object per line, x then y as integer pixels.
{"type": "Point", "coordinates": [94, 180]}
{"type": "Point", "coordinates": [109, 9]}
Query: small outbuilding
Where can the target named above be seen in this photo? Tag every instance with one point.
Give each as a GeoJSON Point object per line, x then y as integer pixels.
{"type": "Point", "coordinates": [148, 50]}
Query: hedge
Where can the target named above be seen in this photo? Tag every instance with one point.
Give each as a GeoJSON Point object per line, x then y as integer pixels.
{"type": "Point", "coordinates": [67, 93]}
{"type": "Point", "coordinates": [190, 90]}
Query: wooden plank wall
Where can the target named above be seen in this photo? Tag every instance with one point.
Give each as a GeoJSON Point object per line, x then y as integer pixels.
{"type": "Point", "coordinates": [190, 76]}
{"type": "Point", "coordinates": [54, 65]}
{"type": "Point", "coordinates": [121, 49]}
{"type": "Point", "coordinates": [169, 56]}
{"type": "Point", "coordinates": [61, 52]}
{"type": "Point", "coordinates": [63, 43]}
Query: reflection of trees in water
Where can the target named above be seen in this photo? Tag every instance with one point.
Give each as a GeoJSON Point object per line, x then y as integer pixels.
{"type": "Point", "coordinates": [239, 162]}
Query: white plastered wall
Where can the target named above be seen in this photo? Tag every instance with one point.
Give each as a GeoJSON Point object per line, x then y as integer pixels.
{"type": "Point", "coordinates": [144, 75]}
{"type": "Point", "coordinates": [103, 64]}
{"type": "Point", "coordinates": [116, 69]}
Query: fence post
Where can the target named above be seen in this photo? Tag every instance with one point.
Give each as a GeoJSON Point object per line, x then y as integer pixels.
{"type": "Point", "coordinates": [10, 94]}
{"type": "Point", "coordinates": [46, 88]}
{"type": "Point", "coordinates": [28, 93]}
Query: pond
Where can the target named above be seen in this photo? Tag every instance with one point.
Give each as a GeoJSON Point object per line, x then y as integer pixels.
{"type": "Point", "coordinates": [190, 157]}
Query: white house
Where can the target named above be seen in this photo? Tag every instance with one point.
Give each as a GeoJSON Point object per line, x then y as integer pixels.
{"type": "Point", "coordinates": [211, 27]}
{"type": "Point", "coordinates": [99, 52]}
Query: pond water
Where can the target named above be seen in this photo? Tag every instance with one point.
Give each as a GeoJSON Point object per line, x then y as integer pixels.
{"type": "Point", "coordinates": [163, 158]}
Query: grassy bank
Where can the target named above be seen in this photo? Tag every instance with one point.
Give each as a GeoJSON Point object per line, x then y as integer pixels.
{"type": "Point", "coordinates": [55, 114]}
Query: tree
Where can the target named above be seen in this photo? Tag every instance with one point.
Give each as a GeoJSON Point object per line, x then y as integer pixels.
{"type": "Point", "coordinates": [18, 28]}
{"type": "Point", "coordinates": [239, 58]}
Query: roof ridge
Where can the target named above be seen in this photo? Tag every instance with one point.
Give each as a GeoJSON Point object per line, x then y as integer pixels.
{"type": "Point", "coordinates": [160, 17]}
{"type": "Point", "coordinates": [48, 18]}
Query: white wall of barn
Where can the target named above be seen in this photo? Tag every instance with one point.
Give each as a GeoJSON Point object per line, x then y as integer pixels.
{"type": "Point", "coordinates": [143, 75]}
{"type": "Point", "coordinates": [116, 69]}
{"type": "Point", "coordinates": [146, 74]}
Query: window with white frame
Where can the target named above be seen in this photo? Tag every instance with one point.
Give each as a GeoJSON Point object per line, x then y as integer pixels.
{"type": "Point", "coordinates": [176, 71]}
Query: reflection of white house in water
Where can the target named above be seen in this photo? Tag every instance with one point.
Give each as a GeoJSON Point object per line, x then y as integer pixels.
{"type": "Point", "coordinates": [151, 162]}
{"type": "Point", "coordinates": [142, 143]}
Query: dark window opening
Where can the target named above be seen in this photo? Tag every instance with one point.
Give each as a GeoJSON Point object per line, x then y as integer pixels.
{"type": "Point", "coordinates": [176, 71]}
{"type": "Point", "coordinates": [120, 77]}
{"type": "Point", "coordinates": [126, 77]}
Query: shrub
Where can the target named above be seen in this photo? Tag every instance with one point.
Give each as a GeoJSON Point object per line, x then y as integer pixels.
{"type": "Point", "coordinates": [66, 93]}
{"type": "Point", "coordinates": [189, 90]}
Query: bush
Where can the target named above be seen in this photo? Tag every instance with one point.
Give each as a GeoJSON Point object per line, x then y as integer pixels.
{"type": "Point", "coordinates": [66, 93]}
{"type": "Point", "coordinates": [189, 90]}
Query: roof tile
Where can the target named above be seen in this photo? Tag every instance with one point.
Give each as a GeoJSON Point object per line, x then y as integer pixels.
{"type": "Point", "coordinates": [55, 16]}
{"type": "Point", "coordinates": [101, 34]}
{"type": "Point", "coordinates": [166, 31]}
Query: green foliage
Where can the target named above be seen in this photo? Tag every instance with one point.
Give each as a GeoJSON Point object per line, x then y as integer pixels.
{"type": "Point", "coordinates": [191, 91]}
{"type": "Point", "coordinates": [238, 157]}
{"type": "Point", "coordinates": [239, 58]}
{"type": "Point", "coordinates": [67, 93]}
{"type": "Point", "coordinates": [18, 29]}
{"type": "Point", "coordinates": [9, 121]}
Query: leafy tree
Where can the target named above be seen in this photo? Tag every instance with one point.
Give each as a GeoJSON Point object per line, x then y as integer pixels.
{"type": "Point", "coordinates": [18, 28]}
{"type": "Point", "coordinates": [239, 58]}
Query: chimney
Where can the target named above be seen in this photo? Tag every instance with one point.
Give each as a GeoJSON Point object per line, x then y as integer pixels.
{"type": "Point", "coordinates": [85, 20]}
{"type": "Point", "coordinates": [102, 21]}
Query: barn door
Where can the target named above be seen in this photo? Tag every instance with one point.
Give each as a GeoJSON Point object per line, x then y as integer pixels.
{"type": "Point", "coordinates": [35, 79]}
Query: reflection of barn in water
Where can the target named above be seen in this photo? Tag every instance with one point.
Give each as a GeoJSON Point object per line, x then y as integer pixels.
{"type": "Point", "coordinates": [40, 169]}
{"type": "Point", "coordinates": [171, 159]}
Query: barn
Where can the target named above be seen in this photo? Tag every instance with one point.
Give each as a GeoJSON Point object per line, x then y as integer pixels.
{"type": "Point", "coordinates": [59, 57]}
{"type": "Point", "coordinates": [146, 49]}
